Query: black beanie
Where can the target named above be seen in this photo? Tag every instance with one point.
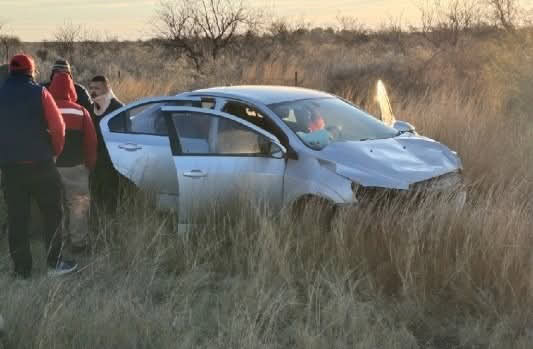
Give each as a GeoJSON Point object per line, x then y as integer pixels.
{"type": "Point", "coordinates": [61, 65]}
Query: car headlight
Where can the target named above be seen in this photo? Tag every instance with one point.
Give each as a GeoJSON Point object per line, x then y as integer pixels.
{"type": "Point", "coordinates": [457, 159]}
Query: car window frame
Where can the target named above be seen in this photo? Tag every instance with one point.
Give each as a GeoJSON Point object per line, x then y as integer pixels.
{"type": "Point", "coordinates": [268, 119]}
{"type": "Point", "coordinates": [176, 144]}
{"type": "Point", "coordinates": [141, 103]}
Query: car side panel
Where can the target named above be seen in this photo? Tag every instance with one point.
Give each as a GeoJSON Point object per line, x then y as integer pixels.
{"type": "Point", "coordinates": [150, 167]}
{"type": "Point", "coordinates": [307, 176]}
{"type": "Point", "coordinates": [227, 181]}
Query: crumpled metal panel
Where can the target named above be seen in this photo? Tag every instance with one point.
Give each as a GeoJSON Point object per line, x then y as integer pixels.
{"type": "Point", "coordinates": [393, 163]}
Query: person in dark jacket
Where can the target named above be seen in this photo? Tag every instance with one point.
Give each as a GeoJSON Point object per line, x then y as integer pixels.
{"type": "Point", "coordinates": [4, 71]}
{"type": "Point", "coordinates": [104, 181]}
{"type": "Point", "coordinates": [103, 97]}
{"type": "Point", "coordinates": [80, 149]}
{"type": "Point", "coordinates": [83, 97]}
{"type": "Point", "coordinates": [32, 135]}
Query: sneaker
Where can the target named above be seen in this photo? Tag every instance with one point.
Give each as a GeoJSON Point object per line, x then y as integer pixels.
{"type": "Point", "coordinates": [63, 268]}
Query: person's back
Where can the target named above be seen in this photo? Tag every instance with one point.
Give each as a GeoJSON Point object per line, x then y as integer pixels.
{"type": "Point", "coordinates": [32, 134]}
{"type": "Point", "coordinates": [80, 148]}
{"type": "Point", "coordinates": [82, 96]}
{"type": "Point", "coordinates": [21, 96]}
{"type": "Point", "coordinates": [80, 139]}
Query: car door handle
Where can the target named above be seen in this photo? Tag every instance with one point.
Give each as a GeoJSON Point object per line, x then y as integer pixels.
{"type": "Point", "coordinates": [130, 146]}
{"type": "Point", "coordinates": [195, 173]}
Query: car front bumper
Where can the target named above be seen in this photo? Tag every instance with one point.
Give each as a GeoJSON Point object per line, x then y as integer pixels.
{"type": "Point", "coordinates": [446, 188]}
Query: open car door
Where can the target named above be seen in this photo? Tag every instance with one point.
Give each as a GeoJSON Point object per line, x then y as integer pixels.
{"type": "Point", "coordinates": [138, 143]}
{"type": "Point", "coordinates": [222, 160]}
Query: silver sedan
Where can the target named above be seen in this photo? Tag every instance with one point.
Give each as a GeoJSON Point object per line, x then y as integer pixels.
{"type": "Point", "coordinates": [283, 145]}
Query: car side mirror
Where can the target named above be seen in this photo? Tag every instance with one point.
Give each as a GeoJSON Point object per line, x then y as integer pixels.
{"type": "Point", "coordinates": [404, 127]}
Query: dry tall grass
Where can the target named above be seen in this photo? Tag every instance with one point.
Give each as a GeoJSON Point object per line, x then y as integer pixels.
{"type": "Point", "coordinates": [406, 275]}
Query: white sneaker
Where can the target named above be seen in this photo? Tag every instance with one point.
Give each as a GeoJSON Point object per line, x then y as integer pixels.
{"type": "Point", "coordinates": [63, 268]}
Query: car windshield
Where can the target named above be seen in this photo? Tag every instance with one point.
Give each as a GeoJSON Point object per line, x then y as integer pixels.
{"type": "Point", "coordinates": [319, 122]}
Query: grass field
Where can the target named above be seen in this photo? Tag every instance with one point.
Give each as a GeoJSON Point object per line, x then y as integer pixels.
{"type": "Point", "coordinates": [402, 276]}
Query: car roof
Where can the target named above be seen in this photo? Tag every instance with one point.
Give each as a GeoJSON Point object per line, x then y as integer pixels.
{"type": "Point", "coordinates": [265, 94]}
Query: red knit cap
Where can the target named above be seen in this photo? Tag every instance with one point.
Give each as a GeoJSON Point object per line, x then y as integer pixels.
{"type": "Point", "coordinates": [22, 63]}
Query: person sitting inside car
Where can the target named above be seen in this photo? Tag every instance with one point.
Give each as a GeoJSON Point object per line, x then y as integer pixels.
{"type": "Point", "coordinates": [316, 122]}
{"type": "Point", "coordinates": [315, 134]}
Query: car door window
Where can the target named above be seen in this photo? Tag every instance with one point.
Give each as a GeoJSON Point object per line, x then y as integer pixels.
{"type": "Point", "coordinates": [144, 119]}
{"type": "Point", "coordinates": [255, 117]}
{"type": "Point", "coordinates": [204, 134]}
{"type": "Point", "coordinates": [148, 120]}
{"type": "Point", "coordinates": [208, 103]}
{"type": "Point", "coordinates": [245, 112]}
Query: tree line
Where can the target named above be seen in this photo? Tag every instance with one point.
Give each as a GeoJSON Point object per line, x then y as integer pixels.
{"type": "Point", "coordinates": [202, 30]}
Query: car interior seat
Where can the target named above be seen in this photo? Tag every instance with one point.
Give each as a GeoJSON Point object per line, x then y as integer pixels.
{"type": "Point", "coordinates": [303, 119]}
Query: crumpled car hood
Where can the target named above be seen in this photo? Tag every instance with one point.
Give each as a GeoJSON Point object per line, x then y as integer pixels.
{"type": "Point", "coordinates": [393, 163]}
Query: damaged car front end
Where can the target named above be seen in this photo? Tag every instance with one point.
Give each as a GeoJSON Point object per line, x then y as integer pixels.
{"type": "Point", "coordinates": [382, 159]}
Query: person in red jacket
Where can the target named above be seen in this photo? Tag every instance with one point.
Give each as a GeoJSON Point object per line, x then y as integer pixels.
{"type": "Point", "coordinates": [32, 135]}
{"type": "Point", "coordinates": [80, 149]}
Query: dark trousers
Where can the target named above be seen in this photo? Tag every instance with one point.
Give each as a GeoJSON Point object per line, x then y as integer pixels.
{"type": "Point", "coordinates": [104, 190]}
{"type": "Point", "coordinates": [42, 182]}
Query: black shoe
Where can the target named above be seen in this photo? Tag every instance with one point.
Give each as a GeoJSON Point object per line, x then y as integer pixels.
{"type": "Point", "coordinates": [20, 276]}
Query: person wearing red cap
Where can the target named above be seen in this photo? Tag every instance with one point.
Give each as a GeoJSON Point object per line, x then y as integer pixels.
{"type": "Point", "coordinates": [32, 135]}
{"type": "Point", "coordinates": [80, 148]}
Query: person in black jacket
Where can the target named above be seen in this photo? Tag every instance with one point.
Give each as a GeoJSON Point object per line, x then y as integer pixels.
{"type": "Point", "coordinates": [63, 66]}
{"type": "Point", "coordinates": [104, 180]}
{"type": "Point", "coordinates": [4, 70]}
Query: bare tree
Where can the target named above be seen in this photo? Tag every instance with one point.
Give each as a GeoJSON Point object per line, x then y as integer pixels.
{"type": "Point", "coordinates": [287, 31]}
{"type": "Point", "coordinates": [351, 24]}
{"type": "Point", "coordinates": [66, 37]}
{"type": "Point", "coordinates": [394, 33]}
{"type": "Point", "coordinates": [504, 13]}
{"type": "Point", "coordinates": [202, 29]}
{"type": "Point", "coordinates": [351, 30]}
{"type": "Point", "coordinates": [8, 43]}
{"type": "Point", "coordinates": [444, 22]}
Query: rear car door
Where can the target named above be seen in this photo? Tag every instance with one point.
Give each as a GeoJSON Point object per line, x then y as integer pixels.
{"type": "Point", "coordinates": [138, 143]}
{"type": "Point", "coordinates": [221, 160]}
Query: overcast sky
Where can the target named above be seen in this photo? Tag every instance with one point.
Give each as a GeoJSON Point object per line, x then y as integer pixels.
{"type": "Point", "coordinates": [35, 20]}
